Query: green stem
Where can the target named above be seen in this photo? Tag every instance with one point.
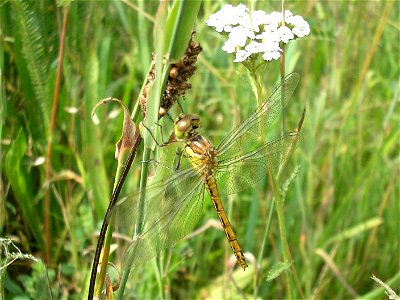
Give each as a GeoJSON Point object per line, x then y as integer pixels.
{"type": "Point", "coordinates": [257, 84]}
{"type": "Point", "coordinates": [264, 242]}
{"type": "Point", "coordinates": [282, 70]}
{"type": "Point", "coordinates": [282, 230]}
{"type": "Point", "coordinates": [143, 183]}
{"type": "Point", "coordinates": [157, 267]}
{"type": "Point", "coordinates": [139, 223]}
{"type": "Point", "coordinates": [278, 201]}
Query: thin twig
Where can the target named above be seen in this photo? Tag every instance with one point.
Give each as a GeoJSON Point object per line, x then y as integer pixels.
{"type": "Point", "coordinates": [50, 141]}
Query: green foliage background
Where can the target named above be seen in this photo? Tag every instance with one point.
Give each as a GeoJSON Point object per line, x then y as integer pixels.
{"type": "Point", "coordinates": [342, 209]}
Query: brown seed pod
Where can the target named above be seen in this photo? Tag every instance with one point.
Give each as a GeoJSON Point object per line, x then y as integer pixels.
{"type": "Point", "coordinates": [177, 83]}
{"type": "Point", "coordinates": [162, 112]}
{"type": "Point", "coordinates": [173, 72]}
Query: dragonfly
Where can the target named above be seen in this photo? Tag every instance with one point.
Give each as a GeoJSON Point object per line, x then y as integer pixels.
{"type": "Point", "coordinates": [173, 206]}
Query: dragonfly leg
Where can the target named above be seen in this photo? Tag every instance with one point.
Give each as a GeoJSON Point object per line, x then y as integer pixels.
{"type": "Point", "coordinates": [180, 105]}
{"type": "Point", "coordinates": [179, 159]}
{"type": "Point", "coordinates": [151, 134]}
{"type": "Point", "coordinates": [158, 163]}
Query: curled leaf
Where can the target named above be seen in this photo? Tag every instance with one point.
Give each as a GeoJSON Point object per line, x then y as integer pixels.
{"type": "Point", "coordinates": [130, 132]}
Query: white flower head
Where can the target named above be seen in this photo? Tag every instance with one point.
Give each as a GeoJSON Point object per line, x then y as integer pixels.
{"type": "Point", "coordinates": [268, 56]}
{"type": "Point", "coordinates": [238, 36]}
{"type": "Point", "coordinates": [228, 28]}
{"type": "Point", "coordinates": [227, 17]}
{"type": "Point", "coordinates": [285, 34]}
{"type": "Point", "coordinates": [258, 18]}
{"type": "Point", "coordinates": [301, 29]}
{"type": "Point", "coordinates": [228, 47]}
{"type": "Point", "coordinates": [271, 50]}
{"type": "Point", "coordinates": [275, 18]}
{"type": "Point", "coordinates": [241, 55]}
{"type": "Point", "coordinates": [255, 47]}
{"type": "Point", "coordinates": [288, 14]}
{"type": "Point", "coordinates": [269, 35]}
{"type": "Point", "coordinates": [256, 32]}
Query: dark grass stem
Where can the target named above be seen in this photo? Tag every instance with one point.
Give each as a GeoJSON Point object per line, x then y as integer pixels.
{"type": "Point", "coordinates": [49, 151]}
{"type": "Point", "coordinates": [158, 85]}
{"type": "Point", "coordinates": [112, 203]}
{"type": "Point", "coordinates": [105, 252]}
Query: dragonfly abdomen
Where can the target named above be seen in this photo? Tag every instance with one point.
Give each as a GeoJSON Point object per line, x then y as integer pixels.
{"type": "Point", "coordinates": [212, 189]}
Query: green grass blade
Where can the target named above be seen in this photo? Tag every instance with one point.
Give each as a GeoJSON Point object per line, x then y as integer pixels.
{"type": "Point", "coordinates": [31, 57]}
{"type": "Point", "coordinates": [91, 140]}
{"type": "Point", "coordinates": [22, 185]}
{"type": "Point", "coordinates": [180, 25]}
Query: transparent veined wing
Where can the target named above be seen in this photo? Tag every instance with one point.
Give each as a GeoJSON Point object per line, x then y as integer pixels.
{"type": "Point", "coordinates": [172, 208]}
{"type": "Point", "coordinates": [235, 174]}
{"type": "Point", "coordinates": [249, 132]}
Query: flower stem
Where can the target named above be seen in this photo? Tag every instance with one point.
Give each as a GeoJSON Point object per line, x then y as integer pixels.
{"type": "Point", "coordinates": [282, 68]}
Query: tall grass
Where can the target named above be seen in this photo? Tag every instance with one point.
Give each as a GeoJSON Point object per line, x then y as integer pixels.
{"type": "Point", "coordinates": [341, 209]}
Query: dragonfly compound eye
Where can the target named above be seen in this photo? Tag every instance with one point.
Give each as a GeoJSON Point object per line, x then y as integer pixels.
{"type": "Point", "coordinates": [195, 120]}
{"type": "Point", "coordinates": [182, 125]}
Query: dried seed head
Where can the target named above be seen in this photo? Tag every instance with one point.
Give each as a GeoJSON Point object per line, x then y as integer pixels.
{"type": "Point", "coordinates": [162, 111]}
{"type": "Point", "coordinates": [177, 83]}
{"type": "Point", "coordinates": [173, 72]}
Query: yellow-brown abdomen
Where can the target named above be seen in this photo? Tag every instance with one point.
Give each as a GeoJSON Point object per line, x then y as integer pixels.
{"type": "Point", "coordinates": [212, 189]}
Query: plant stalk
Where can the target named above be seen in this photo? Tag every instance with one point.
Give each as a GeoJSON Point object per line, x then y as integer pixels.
{"type": "Point", "coordinates": [282, 230]}
{"type": "Point", "coordinates": [104, 226]}
{"type": "Point", "coordinates": [56, 94]}
{"type": "Point", "coordinates": [140, 219]}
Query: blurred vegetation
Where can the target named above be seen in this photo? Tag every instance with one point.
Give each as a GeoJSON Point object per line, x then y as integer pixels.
{"type": "Point", "coordinates": [342, 209]}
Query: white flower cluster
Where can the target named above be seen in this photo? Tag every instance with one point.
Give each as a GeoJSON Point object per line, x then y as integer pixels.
{"type": "Point", "coordinates": [256, 32]}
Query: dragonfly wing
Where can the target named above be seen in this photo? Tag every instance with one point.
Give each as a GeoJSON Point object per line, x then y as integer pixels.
{"type": "Point", "coordinates": [237, 173]}
{"type": "Point", "coordinates": [251, 130]}
{"type": "Point", "coordinates": [172, 208]}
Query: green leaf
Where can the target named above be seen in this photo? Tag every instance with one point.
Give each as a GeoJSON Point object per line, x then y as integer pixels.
{"type": "Point", "coordinates": [180, 25]}
{"type": "Point", "coordinates": [171, 44]}
{"type": "Point", "coordinates": [21, 184]}
{"type": "Point", "coordinates": [278, 269]}
{"type": "Point", "coordinates": [289, 181]}
{"type": "Point", "coordinates": [355, 231]}
{"type": "Point", "coordinates": [31, 62]}
{"type": "Point", "coordinates": [153, 102]}
{"type": "Point", "coordinates": [91, 139]}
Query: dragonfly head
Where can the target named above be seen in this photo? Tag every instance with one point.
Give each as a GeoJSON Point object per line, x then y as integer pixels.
{"type": "Point", "coordinates": [186, 126]}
